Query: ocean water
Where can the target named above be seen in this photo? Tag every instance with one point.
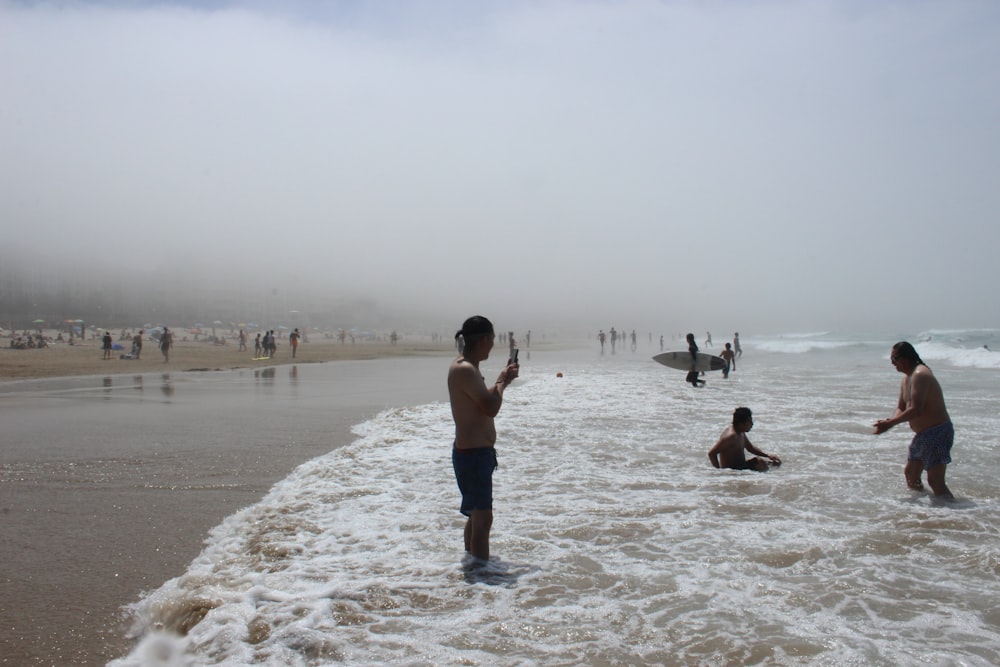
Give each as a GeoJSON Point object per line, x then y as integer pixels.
{"type": "Point", "coordinates": [615, 542]}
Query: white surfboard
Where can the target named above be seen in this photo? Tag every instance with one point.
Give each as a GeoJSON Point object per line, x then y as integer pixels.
{"type": "Point", "coordinates": [682, 361]}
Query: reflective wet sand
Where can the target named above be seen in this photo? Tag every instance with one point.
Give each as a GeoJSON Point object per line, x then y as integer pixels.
{"type": "Point", "coordinates": [111, 483]}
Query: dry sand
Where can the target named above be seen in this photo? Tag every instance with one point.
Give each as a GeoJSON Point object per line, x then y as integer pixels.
{"type": "Point", "coordinates": [62, 359]}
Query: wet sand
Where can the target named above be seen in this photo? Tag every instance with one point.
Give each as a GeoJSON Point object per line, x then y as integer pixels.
{"type": "Point", "coordinates": [99, 501]}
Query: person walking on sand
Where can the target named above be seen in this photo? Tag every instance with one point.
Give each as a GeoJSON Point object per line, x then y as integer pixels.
{"type": "Point", "coordinates": [243, 340]}
{"type": "Point", "coordinates": [729, 451]}
{"type": "Point", "coordinates": [106, 343]}
{"type": "Point", "coordinates": [166, 342]}
{"type": "Point", "coordinates": [293, 341]}
{"type": "Point", "coordinates": [473, 407]}
{"type": "Point", "coordinates": [921, 403]}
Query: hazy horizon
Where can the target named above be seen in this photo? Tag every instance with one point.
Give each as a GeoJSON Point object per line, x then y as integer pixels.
{"type": "Point", "coordinates": [662, 166]}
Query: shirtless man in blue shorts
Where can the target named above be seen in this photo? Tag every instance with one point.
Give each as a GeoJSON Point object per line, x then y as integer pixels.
{"type": "Point", "coordinates": [921, 403]}
{"type": "Point", "coordinates": [473, 406]}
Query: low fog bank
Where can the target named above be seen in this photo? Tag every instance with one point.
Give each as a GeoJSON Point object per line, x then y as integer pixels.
{"type": "Point", "coordinates": [57, 287]}
{"type": "Point", "coordinates": [66, 291]}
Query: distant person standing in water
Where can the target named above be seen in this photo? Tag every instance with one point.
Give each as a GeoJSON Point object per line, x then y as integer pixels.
{"type": "Point", "coordinates": [730, 358]}
{"type": "Point", "coordinates": [736, 344]}
{"type": "Point", "coordinates": [473, 407]}
{"type": "Point", "coordinates": [728, 452]}
{"type": "Point", "coordinates": [921, 403]}
{"type": "Point", "coordinates": [708, 339]}
{"type": "Point", "coordinates": [692, 375]}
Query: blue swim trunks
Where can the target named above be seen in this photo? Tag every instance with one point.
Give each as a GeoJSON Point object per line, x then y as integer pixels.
{"type": "Point", "coordinates": [474, 474]}
{"type": "Point", "coordinates": [933, 446]}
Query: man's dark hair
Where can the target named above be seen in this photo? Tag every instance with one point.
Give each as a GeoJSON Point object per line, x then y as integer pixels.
{"type": "Point", "coordinates": [906, 351]}
{"type": "Point", "coordinates": [474, 328]}
{"type": "Point", "coordinates": [741, 415]}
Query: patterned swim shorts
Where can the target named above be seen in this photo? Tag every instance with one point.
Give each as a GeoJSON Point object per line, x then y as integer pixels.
{"type": "Point", "coordinates": [933, 446]}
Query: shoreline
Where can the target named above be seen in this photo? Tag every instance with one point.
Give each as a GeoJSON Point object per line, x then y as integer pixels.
{"type": "Point", "coordinates": [100, 502]}
{"type": "Point", "coordinates": [64, 360]}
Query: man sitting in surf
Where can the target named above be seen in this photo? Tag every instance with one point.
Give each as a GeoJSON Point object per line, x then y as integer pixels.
{"type": "Point", "coordinates": [728, 451]}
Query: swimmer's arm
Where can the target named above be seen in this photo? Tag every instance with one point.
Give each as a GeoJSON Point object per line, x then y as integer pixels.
{"type": "Point", "coordinates": [758, 452]}
{"type": "Point", "coordinates": [906, 411]}
{"type": "Point", "coordinates": [749, 446]}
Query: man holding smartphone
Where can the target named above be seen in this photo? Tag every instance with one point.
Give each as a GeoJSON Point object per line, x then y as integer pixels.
{"type": "Point", "coordinates": [473, 407]}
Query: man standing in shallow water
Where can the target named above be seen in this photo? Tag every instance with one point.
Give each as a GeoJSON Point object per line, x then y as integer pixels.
{"type": "Point", "coordinates": [921, 403]}
{"type": "Point", "coordinates": [473, 407]}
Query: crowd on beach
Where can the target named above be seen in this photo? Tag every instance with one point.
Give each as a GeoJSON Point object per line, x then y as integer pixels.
{"type": "Point", "coordinates": [29, 341]}
{"type": "Point", "coordinates": [128, 343]}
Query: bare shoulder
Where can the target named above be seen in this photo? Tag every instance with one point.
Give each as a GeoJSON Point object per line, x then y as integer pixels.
{"type": "Point", "coordinates": [462, 372]}
{"type": "Point", "coordinates": [727, 439]}
{"type": "Point", "coordinates": [923, 377]}
{"type": "Point", "coordinates": [460, 365]}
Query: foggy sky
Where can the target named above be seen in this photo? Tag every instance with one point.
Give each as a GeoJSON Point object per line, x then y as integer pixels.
{"type": "Point", "coordinates": [664, 166]}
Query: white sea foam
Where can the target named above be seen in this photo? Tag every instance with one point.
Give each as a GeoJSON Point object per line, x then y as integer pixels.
{"type": "Point", "coordinates": [615, 541]}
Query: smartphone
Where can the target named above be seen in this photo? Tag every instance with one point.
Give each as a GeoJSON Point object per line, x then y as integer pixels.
{"type": "Point", "coordinates": [513, 356]}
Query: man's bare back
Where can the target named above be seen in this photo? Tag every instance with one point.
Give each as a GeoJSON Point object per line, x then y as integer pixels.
{"type": "Point", "coordinates": [729, 450]}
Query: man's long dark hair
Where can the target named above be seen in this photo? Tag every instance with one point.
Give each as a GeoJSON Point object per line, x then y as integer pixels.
{"type": "Point", "coordinates": [906, 351]}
